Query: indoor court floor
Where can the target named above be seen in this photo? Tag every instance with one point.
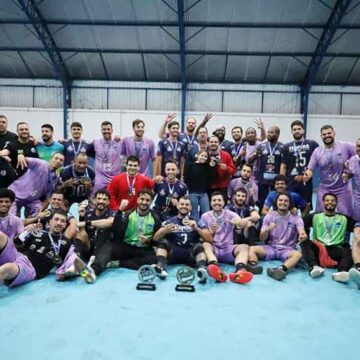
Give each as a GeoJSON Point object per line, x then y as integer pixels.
{"type": "Point", "coordinates": [298, 318]}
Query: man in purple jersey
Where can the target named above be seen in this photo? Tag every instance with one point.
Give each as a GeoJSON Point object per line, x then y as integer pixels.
{"type": "Point", "coordinates": [10, 225]}
{"type": "Point", "coordinates": [75, 145]}
{"type": "Point", "coordinates": [143, 148]}
{"type": "Point", "coordinates": [107, 157]}
{"type": "Point", "coordinates": [282, 229]}
{"type": "Point", "coordinates": [330, 159]}
{"type": "Point", "coordinates": [219, 247]}
{"type": "Point", "coordinates": [244, 181]}
{"type": "Point", "coordinates": [37, 183]}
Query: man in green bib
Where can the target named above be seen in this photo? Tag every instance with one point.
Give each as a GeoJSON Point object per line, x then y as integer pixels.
{"type": "Point", "coordinates": [329, 247]}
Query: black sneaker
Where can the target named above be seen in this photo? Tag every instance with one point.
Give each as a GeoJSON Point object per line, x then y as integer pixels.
{"type": "Point", "coordinates": [276, 273]}
{"type": "Point", "coordinates": [160, 272]}
{"type": "Point", "coordinates": [202, 275]}
{"type": "Point", "coordinates": [254, 268]}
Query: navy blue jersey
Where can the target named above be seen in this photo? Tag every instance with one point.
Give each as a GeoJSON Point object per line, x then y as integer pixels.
{"type": "Point", "coordinates": [170, 151]}
{"type": "Point", "coordinates": [189, 140]}
{"type": "Point", "coordinates": [268, 162]}
{"type": "Point", "coordinates": [77, 192]}
{"type": "Point", "coordinates": [243, 212]}
{"type": "Point", "coordinates": [225, 145]}
{"type": "Point", "coordinates": [296, 199]}
{"type": "Point", "coordinates": [192, 153]}
{"type": "Point", "coordinates": [165, 192]}
{"type": "Point", "coordinates": [296, 156]}
{"type": "Point", "coordinates": [183, 235]}
{"type": "Point", "coordinates": [93, 232]}
{"type": "Point", "coordinates": [72, 148]}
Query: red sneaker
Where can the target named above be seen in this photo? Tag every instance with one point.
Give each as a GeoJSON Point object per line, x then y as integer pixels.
{"type": "Point", "coordinates": [241, 277]}
{"type": "Point", "coordinates": [216, 272]}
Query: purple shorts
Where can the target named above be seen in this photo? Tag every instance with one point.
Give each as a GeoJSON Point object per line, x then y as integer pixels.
{"type": "Point", "coordinates": [225, 255]}
{"type": "Point", "coordinates": [273, 253]}
{"type": "Point", "coordinates": [26, 269]}
{"type": "Point", "coordinates": [31, 208]}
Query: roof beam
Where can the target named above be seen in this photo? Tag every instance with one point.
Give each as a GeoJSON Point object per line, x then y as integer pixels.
{"type": "Point", "coordinates": [337, 14]}
{"type": "Point", "coordinates": [180, 13]}
{"type": "Point", "coordinates": [177, 52]}
{"type": "Point", "coordinates": [32, 12]}
{"type": "Point", "coordinates": [232, 25]}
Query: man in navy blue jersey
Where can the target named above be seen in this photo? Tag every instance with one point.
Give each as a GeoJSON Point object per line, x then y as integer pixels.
{"type": "Point", "coordinates": [179, 242]}
{"type": "Point", "coordinates": [295, 158]}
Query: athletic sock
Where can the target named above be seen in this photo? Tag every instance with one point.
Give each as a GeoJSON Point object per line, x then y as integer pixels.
{"type": "Point", "coordinates": [161, 261]}
{"type": "Point", "coordinates": [240, 266]}
{"type": "Point", "coordinates": [283, 267]}
{"type": "Point", "coordinates": [213, 262]}
{"type": "Point", "coordinates": [201, 264]}
{"type": "Point", "coordinates": [253, 263]}
{"type": "Point", "coordinates": [357, 266]}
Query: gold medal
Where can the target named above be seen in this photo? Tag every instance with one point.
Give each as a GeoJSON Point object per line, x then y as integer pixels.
{"type": "Point", "coordinates": [185, 220]}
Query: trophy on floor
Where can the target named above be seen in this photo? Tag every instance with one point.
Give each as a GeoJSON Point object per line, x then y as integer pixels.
{"type": "Point", "coordinates": [185, 276]}
{"type": "Point", "coordinates": [147, 276]}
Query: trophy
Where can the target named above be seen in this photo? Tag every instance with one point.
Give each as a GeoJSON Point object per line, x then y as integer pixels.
{"type": "Point", "coordinates": [185, 276]}
{"type": "Point", "coordinates": [146, 275]}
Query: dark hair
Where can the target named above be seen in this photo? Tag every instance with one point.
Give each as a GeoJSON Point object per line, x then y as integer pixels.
{"type": "Point", "coordinates": [132, 158]}
{"type": "Point", "coordinates": [8, 194]}
{"type": "Point", "coordinates": [76, 124]}
{"type": "Point", "coordinates": [280, 178]}
{"type": "Point", "coordinates": [3, 117]}
{"type": "Point", "coordinates": [102, 192]}
{"type": "Point", "coordinates": [203, 127]}
{"type": "Point", "coordinates": [137, 122]}
{"type": "Point", "coordinates": [58, 212]}
{"type": "Point", "coordinates": [105, 123]}
{"type": "Point", "coordinates": [216, 193]}
{"type": "Point", "coordinates": [327, 126]}
{"type": "Point", "coordinates": [81, 154]}
{"type": "Point", "coordinates": [48, 126]}
{"type": "Point", "coordinates": [21, 123]}
{"type": "Point", "coordinates": [242, 190]}
{"type": "Point", "coordinates": [237, 127]}
{"type": "Point", "coordinates": [58, 191]}
{"type": "Point", "coordinates": [146, 191]}
{"type": "Point", "coordinates": [171, 161]}
{"type": "Point", "coordinates": [57, 152]}
{"type": "Point", "coordinates": [172, 123]}
{"type": "Point", "coordinates": [281, 194]}
{"type": "Point", "coordinates": [247, 165]}
{"type": "Point", "coordinates": [185, 197]}
{"type": "Point", "coordinates": [297, 123]}
{"type": "Point", "coordinates": [329, 194]}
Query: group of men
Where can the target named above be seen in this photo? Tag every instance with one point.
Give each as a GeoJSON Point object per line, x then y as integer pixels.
{"type": "Point", "coordinates": [135, 208]}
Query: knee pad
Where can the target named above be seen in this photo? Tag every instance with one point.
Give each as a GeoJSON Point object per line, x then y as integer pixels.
{"type": "Point", "coordinates": [197, 249]}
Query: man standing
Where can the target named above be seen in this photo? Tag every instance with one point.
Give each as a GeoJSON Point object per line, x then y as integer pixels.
{"type": "Point", "coordinates": [77, 180]}
{"type": "Point", "coordinates": [218, 226]}
{"type": "Point", "coordinates": [107, 153]}
{"type": "Point", "coordinates": [295, 159]}
{"type": "Point", "coordinates": [48, 146]}
{"type": "Point", "coordinates": [170, 148]}
{"type": "Point", "coordinates": [268, 161]}
{"type": "Point", "coordinates": [330, 159]}
{"type": "Point", "coordinates": [141, 147]}
{"type": "Point", "coordinates": [168, 192]}
{"type": "Point", "coordinates": [237, 149]}
{"type": "Point", "coordinates": [132, 239]}
{"type": "Point", "coordinates": [282, 229]}
{"type": "Point", "coordinates": [220, 132]}
{"type": "Point", "coordinates": [329, 247]}
{"type": "Point", "coordinates": [126, 186]}
{"type": "Point", "coordinates": [36, 184]}
{"type": "Point", "coordinates": [224, 166]}
{"type": "Point", "coordinates": [179, 242]}
{"type": "Point", "coordinates": [6, 136]}
{"type": "Point", "coordinates": [75, 145]}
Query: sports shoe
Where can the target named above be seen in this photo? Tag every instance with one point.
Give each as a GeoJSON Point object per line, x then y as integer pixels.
{"type": "Point", "coordinates": [112, 264]}
{"type": "Point", "coordinates": [68, 273]}
{"type": "Point", "coordinates": [217, 273]}
{"type": "Point", "coordinates": [160, 272]}
{"type": "Point", "coordinates": [241, 276]}
{"type": "Point", "coordinates": [85, 271]}
{"type": "Point", "coordinates": [316, 271]}
{"type": "Point", "coordinates": [276, 273]}
{"type": "Point", "coordinates": [254, 268]}
{"type": "Point", "coordinates": [341, 276]}
{"type": "Point", "coordinates": [355, 276]}
{"type": "Point", "coordinates": [202, 275]}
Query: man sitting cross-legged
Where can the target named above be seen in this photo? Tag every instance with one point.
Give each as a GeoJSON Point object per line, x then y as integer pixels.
{"type": "Point", "coordinates": [179, 242]}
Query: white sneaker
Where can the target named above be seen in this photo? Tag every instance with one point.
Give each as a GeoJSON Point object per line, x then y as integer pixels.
{"type": "Point", "coordinates": [341, 276]}
{"type": "Point", "coordinates": [317, 271]}
{"type": "Point", "coordinates": [160, 272]}
{"type": "Point", "coordinates": [355, 276]}
{"type": "Point", "coordinates": [84, 271]}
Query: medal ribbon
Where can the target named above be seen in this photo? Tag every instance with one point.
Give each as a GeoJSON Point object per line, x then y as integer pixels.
{"type": "Point", "coordinates": [57, 246]}
{"type": "Point", "coordinates": [131, 187]}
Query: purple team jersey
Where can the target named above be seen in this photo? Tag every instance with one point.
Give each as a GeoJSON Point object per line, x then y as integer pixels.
{"type": "Point", "coordinates": [247, 185]}
{"type": "Point", "coordinates": [11, 225]}
{"type": "Point", "coordinates": [331, 165]}
{"type": "Point", "coordinates": [223, 238]}
{"type": "Point", "coordinates": [285, 233]}
{"type": "Point", "coordinates": [107, 161]}
{"type": "Point", "coordinates": [144, 150]}
{"type": "Point", "coordinates": [354, 168]}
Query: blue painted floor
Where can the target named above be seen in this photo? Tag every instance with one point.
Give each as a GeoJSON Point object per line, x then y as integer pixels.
{"type": "Point", "coordinates": [298, 318]}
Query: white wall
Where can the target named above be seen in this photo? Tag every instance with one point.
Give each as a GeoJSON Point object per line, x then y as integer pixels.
{"type": "Point", "coordinates": [347, 127]}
